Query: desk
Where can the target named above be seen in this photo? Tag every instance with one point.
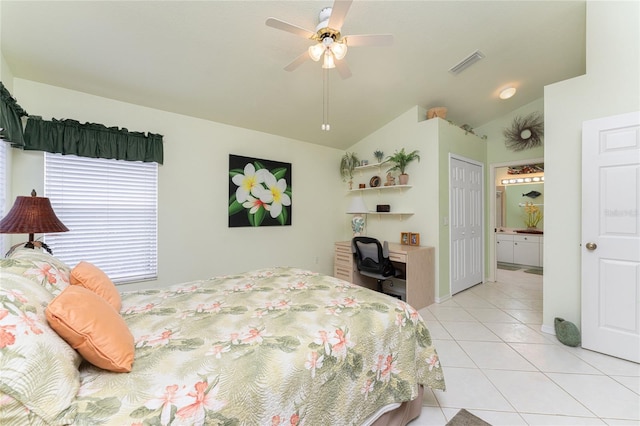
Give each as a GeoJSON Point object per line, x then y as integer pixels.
{"type": "Point", "coordinates": [416, 262]}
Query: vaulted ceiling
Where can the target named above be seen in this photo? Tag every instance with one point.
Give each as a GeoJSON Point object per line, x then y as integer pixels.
{"type": "Point", "coordinates": [217, 60]}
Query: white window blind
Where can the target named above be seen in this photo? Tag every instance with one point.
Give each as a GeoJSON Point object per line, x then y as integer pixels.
{"type": "Point", "coordinates": [111, 210]}
{"type": "Point", "coordinates": [4, 182]}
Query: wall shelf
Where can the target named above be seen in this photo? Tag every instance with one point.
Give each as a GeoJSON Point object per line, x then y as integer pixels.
{"type": "Point", "coordinates": [369, 167]}
{"type": "Point", "coordinates": [374, 169]}
{"type": "Point", "coordinates": [380, 188]}
{"type": "Point", "coordinates": [401, 214]}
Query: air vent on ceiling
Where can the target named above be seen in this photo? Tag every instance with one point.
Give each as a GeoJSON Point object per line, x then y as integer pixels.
{"type": "Point", "coordinates": [466, 62]}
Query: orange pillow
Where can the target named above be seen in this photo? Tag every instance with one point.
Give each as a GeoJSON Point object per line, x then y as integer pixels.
{"type": "Point", "coordinates": [91, 277]}
{"type": "Point", "coordinates": [92, 327]}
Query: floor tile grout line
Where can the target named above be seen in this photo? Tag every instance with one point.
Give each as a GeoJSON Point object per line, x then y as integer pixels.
{"type": "Point", "coordinates": [536, 369]}
{"type": "Point", "coordinates": [523, 294]}
{"type": "Point", "coordinates": [571, 395]}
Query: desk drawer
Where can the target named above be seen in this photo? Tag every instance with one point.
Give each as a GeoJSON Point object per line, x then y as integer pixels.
{"type": "Point", "coordinates": [526, 238]}
{"type": "Point", "coordinates": [397, 257]}
{"type": "Point", "coordinates": [341, 258]}
{"type": "Point", "coordinates": [343, 248]}
{"type": "Point", "coordinates": [343, 262]}
{"type": "Point", "coordinates": [342, 273]}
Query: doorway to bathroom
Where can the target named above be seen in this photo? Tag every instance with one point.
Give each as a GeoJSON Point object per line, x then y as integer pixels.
{"type": "Point", "coordinates": [516, 216]}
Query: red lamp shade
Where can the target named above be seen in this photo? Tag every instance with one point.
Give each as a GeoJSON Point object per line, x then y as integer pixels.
{"type": "Point", "coordinates": [31, 215]}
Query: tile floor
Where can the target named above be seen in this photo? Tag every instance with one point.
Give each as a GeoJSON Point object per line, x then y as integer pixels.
{"type": "Point", "coordinates": [499, 365]}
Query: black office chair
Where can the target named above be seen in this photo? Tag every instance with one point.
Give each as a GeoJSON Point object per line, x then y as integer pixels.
{"type": "Point", "coordinates": [372, 259]}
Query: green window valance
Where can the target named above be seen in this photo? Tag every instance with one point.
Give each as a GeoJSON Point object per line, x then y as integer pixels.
{"type": "Point", "coordinates": [10, 123]}
{"type": "Point", "coordinates": [91, 140]}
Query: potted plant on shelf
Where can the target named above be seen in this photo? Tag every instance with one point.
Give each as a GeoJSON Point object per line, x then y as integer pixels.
{"type": "Point", "coordinates": [379, 155]}
{"type": "Point", "coordinates": [347, 166]}
{"type": "Point", "coordinates": [401, 159]}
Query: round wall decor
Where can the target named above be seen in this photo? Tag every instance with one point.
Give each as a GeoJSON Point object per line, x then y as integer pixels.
{"type": "Point", "coordinates": [525, 133]}
{"type": "Point", "coordinates": [374, 182]}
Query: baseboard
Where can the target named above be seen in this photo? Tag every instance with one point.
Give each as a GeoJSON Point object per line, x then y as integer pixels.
{"type": "Point", "coordinates": [443, 299]}
{"type": "Point", "coordinates": [549, 329]}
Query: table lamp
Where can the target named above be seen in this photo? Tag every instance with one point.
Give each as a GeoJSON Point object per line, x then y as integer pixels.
{"type": "Point", "coordinates": [357, 208]}
{"type": "Point", "coordinates": [31, 215]}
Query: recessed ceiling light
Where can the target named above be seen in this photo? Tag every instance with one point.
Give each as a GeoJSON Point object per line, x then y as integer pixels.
{"type": "Point", "coordinates": [507, 93]}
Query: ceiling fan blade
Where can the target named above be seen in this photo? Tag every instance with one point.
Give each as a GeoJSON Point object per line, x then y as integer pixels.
{"type": "Point", "coordinates": [290, 28]}
{"type": "Point", "coordinates": [338, 13]}
{"type": "Point", "coordinates": [297, 61]}
{"type": "Point", "coordinates": [343, 69]}
{"type": "Point", "coordinates": [369, 40]}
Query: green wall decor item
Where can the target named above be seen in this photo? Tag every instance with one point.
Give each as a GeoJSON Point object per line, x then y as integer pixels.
{"type": "Point", "coordinates": [259, 192]}
{"type": "Point", "coordinates": [567, 332]}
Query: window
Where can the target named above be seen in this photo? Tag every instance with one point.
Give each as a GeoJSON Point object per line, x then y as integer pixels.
{"type": "Point", "coordinates": [111, 210]}
{"type": "Point", "coordinates": [4, 182]}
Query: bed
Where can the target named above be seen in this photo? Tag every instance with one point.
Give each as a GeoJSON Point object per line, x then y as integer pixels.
{"type": "Point", "coordinates": [267, 347]}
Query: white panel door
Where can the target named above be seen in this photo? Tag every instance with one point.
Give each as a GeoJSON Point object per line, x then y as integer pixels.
{"type": "Point", "coordinates": [611, 236]}
{"type": "Point", "coordinates": [465, 221]}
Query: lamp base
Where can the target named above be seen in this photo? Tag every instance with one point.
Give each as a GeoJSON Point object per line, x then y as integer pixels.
{"type": "Point", "coordinates": [31, 245]}
{"type": "Point", "coordinates": [357, 225]}
{"type": "Point", "coordinates": [39, 244]}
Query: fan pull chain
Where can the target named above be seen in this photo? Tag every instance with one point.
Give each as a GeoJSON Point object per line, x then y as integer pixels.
{"type": "Point", "coordinates": [325, 100]}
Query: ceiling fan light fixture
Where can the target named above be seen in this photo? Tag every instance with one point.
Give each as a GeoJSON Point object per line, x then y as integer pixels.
{"type": "Point", "coordinates": [316, 51]}
{"type": "Point", "coordinates": [339, 50]}
{"type": "Point", "coordinates": [328, 60]}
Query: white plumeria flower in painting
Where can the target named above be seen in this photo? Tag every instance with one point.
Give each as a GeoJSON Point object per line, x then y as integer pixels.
{"type": "Point", "coordinates": [253, 204]}
{"type": "Point", "coordinates": [275, 194]}
{"type": "Point", "coordinates": [248, 182]}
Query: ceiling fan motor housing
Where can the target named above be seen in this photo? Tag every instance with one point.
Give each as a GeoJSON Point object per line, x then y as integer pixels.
{"type": "Point", "coordinates": [323, 17]}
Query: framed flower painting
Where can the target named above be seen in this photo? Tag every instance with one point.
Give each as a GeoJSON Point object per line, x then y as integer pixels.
{"type": "Point", "coordinates": [259, 192]}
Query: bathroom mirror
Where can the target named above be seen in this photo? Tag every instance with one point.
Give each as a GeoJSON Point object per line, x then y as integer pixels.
{"type": "Point", "coordinates": [512, 197]}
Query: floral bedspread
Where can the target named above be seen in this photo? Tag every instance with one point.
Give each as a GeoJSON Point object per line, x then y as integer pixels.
{"type": "Point", "coordinates": [269, 347]}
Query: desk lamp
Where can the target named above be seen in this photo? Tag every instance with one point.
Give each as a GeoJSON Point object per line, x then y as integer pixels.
{"type": "Point", "coordinates": [357, 208]}
{"type": "Point", "coordinates": [31, 215]}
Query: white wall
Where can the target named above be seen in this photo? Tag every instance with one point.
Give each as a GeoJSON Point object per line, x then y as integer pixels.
{"type": "Point", "coordinates": [611, 86]}
{"type": "Point", "coordinates": [194, 238]}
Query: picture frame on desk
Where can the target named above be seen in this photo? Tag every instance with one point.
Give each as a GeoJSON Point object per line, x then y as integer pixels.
{"type": "Point", "coordinates": [404, 238]}
{"type": "Point", "coordinates": [414, 239]}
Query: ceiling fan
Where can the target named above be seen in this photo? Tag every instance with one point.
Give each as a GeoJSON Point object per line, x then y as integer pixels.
{"type": "Point", "coordinates": [330, 44]}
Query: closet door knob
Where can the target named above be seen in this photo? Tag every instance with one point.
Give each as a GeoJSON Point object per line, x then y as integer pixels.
{"type": "Point", "coordinates": [591, 246]}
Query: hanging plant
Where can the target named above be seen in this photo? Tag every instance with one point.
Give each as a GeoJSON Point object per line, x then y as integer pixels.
{"type": "Point", "coordinates": [348, 163]}
{"type": "Point", "coordinates": [525, 133]}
